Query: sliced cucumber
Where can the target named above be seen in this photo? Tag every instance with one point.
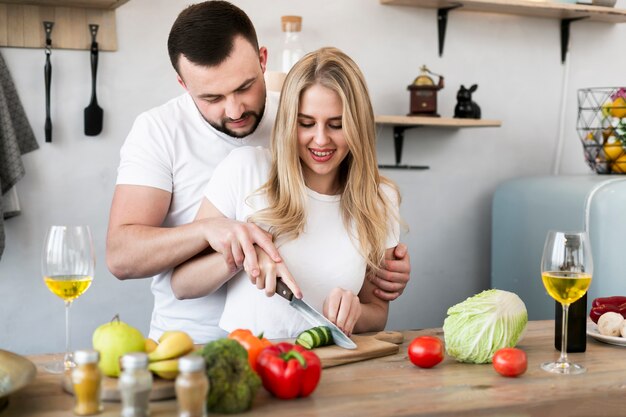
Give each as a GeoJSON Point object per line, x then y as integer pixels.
{"type": "Point", "coordinates": [321, 334]}
{"type": "Point", "coordinates": [315, 337]}
{"type": "Point", "coordinates": [327, 335]}
{"type": "Point", "coordinates": [305, 339]}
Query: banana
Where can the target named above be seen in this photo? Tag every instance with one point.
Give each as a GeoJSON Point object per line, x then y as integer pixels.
{"type": "Point", "coordinates": [167, 369]}
{"type": "Point", "coordinates": [172, 344]}
{"type": "Point", "coordinates": [150, 345]}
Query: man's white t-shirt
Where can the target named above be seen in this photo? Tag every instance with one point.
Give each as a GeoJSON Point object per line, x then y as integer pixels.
{"type": "Point", "coordinates": [322, 258]}
{"type": "Point", "coordinates": [173, 148]}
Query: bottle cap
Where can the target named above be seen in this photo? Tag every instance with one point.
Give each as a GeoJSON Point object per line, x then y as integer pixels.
{"type": "Point", "coordinates": [84, 357]}
{"type": "Point", "coordinates": [291, 23]}
{"type": "Point", "coordinates": [137, 360]}
{"type": "Point", "coordinates": [191, 363]}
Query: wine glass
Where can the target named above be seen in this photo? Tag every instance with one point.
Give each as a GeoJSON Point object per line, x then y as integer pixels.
{"type": "Point", "coordinates": [67, 264]}
{"type": "Point", "coordinates": [566, 270]}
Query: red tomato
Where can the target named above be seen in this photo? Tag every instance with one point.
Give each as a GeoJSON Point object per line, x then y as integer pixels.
{"type": "Point", "coordinates": [510, 362]}
{"type": "Point", "coordinates": [426, 351]}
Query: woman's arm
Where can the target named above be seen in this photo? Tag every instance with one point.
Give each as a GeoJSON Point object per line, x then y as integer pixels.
{"type": "Point", "coordinates": [357, 314]}
{"type": "Point", "coordinates": [206, 272]}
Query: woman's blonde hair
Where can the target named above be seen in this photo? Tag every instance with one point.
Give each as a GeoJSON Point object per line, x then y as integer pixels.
{"type": "Point", "coordinates": [365, 208]}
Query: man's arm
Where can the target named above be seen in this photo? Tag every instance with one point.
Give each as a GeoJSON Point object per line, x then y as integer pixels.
{"type": "Point", "coordinates": [137, 245]}
{"type": "Point", "coordinates": [393, 279]}
{"type": "Point", "coordinates": [206, 273]}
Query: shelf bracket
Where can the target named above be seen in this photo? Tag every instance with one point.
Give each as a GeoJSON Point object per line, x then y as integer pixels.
{"type": "Point", "coordinates": [398, 142]}
{"type": "Point", "coordinates": [565, 25]}
{"type": "Point", "coordinates": [442, 23]}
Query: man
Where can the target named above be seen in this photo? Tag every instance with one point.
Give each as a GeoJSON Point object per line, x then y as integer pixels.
{"type": "Point", "coordinates": [169, 156]}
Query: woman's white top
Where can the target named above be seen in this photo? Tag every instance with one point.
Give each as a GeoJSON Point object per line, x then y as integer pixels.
{"type": "Point", "coordinates": [320, 259]}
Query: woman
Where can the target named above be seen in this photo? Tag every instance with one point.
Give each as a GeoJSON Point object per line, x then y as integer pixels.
{"type": "Point", "coordinates": [319, 193]}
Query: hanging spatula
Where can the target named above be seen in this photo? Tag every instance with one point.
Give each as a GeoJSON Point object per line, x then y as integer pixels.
{"type": "Point", "coordinates": [93, 112]}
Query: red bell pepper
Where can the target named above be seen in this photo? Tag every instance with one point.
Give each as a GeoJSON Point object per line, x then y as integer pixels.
{"type": "Point", "coordinates": [598, 310]}
{"type": "Point", "coordinates": [615, 300]}
{"type": "Point", "coordinates": [252, 343]}
{"type": "Point", "coordinates": [289, 371]}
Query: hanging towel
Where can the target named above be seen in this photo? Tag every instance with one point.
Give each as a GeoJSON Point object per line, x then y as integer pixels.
{"type": "Point", "coordinates": [16, 139]}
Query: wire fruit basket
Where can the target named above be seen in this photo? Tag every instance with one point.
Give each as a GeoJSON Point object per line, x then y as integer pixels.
{"type": "Point", "coordinates": [601, 127]}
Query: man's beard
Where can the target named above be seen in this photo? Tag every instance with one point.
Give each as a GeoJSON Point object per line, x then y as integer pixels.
{"type": "Point", "coordinates": [222, 125]}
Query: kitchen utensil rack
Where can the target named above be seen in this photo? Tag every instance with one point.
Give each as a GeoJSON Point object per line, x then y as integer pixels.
{"type": "Point", "coordinates": [21, 23]}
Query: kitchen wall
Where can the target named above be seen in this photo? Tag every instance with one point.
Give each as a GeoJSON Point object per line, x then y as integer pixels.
{"type": "Point", "coordinates": [514, 60]}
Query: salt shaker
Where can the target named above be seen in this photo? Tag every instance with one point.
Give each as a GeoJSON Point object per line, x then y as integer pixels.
{"type": "Point", "coordinates": [87, 382]}
{"type": "Point", "coordinates": [192, 386]}
{"type": "Point", "coordinates": [135, 383]}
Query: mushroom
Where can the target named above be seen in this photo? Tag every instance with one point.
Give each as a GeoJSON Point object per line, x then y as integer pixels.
{"type": "Point", "coordinates": [609, 324]}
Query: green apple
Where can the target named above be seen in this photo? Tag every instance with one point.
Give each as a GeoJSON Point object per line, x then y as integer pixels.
{"type": "Point", "coordinates": [113, 340]}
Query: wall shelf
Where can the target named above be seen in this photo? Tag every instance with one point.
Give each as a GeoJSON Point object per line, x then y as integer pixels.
{"type": "Point", "coordinates": [21, 23]}
{"type": "Point", "coordinates": [402, 123]}
{"type": "Point", "coordinates": [565, 12]}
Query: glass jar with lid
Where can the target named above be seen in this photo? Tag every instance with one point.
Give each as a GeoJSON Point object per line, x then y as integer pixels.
{"type": "Point", "coordinates": [87, 383]}
{"type": "Point", "coordinates": [192, 386]}
{"type": "Point", "coordinates": [135, 384]}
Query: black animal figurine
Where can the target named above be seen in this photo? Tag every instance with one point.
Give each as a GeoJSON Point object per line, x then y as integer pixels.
{"type": "Point", "coordinates": [466, 108]}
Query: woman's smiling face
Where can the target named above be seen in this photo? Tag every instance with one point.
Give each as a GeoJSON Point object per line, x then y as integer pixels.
{"type": "Point", "coordinates": [321, 142]}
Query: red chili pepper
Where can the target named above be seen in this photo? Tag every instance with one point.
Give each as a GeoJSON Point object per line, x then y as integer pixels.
{"type": "Point", "coordinates": [598, 310]}
{"type": "Point", "coordinates": [616, 300]}
{"type": "Point", "coordinates": [289, 371]}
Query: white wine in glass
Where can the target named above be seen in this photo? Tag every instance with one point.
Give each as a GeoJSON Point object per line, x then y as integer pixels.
{"type": "Point", "coordinates": [566, 270]}
{"type": "Point", "coordinates": [67, 264]}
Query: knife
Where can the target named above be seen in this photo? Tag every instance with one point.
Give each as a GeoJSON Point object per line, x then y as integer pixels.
{"type": "Point", "coordinates": [313, 316]}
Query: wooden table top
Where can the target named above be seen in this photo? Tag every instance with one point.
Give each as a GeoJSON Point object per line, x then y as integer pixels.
{"type": "Point", "coordinates": [392, 386]}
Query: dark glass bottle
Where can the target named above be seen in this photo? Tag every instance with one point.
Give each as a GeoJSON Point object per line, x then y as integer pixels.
{"type": "Point", "coordinates": [576, 326]}
{"type": "Point", "coordinates": [577, 314]}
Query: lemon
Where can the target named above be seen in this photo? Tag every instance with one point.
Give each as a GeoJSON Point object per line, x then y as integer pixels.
{"type": "Point", "coordinates": [613, 149]}
{"type": "Point", "coordinates": [618, 108]}
{"type": "Point", "coordinates": [606, 108]}
{"type": "Point", "coordinates": [619, 166]}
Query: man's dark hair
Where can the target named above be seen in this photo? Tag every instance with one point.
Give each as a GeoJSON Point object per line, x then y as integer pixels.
{"type": "Point", "coordinates": [205, 33]}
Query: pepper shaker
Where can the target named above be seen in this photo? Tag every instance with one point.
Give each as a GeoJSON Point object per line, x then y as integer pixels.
{"type": "Point", "coordinates": [135, 383]}
{"type": "Point", "coordinates": [87, 382]}
{"type": "Point", "coordinates": [192, 386]}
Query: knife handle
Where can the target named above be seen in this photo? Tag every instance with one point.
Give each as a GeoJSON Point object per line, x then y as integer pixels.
{"type": "Point", "coordinates": [283, 290]}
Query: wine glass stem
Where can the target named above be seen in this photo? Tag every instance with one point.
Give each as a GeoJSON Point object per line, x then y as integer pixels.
{"type": "Point", "coordinates": [563, 358]}
{"type": "Point", "coordinates": [68, 360]}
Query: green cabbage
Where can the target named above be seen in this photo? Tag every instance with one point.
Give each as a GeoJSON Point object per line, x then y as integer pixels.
{"type": "Point", "coordinates": [477, 327]}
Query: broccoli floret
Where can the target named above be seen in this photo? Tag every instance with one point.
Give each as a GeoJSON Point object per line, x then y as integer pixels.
{"type": "Point", "coordinates": [233, 384]}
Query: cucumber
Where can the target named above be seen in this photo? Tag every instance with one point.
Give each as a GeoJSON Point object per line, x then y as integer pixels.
{"type": "Point", "coordinates": [328, 336]}
{"type": "Point", "coordinates": [315, 337]}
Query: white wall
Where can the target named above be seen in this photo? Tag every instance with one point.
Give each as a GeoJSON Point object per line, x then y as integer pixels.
{"type": "Point", "coordinates": [515, 61]}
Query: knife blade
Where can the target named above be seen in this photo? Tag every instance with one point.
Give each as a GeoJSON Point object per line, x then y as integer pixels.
{"type": "Point", "coordinates": [312, 316]}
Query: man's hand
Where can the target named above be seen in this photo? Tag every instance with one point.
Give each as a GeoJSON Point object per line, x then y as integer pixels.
{"type": "Point", "coordinates": [343, 308]}
{"type": "Point", "coordinates": [269, 272]}
{"type": "Point", "coordinates": [235, 241]}
{"type": "Point", "coordinates": [392, 280]}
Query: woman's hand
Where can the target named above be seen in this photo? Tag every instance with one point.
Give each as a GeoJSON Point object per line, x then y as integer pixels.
{"type": "Point", "coordinates": [269, 270]}
{"type": "Point", "coordinates": [343, 308]}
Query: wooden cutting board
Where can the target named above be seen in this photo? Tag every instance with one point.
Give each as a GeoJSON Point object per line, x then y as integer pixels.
{"type": "Point", "coordinates": [162, 389]}
{"type": "Point", "coordinates": [368, 347]}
